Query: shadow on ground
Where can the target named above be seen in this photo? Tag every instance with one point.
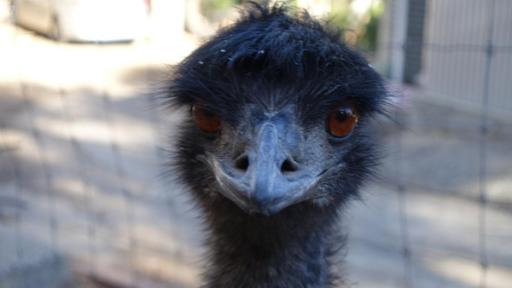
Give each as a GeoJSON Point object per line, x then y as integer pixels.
{"type": "Point", "coordinates": [79, 181]}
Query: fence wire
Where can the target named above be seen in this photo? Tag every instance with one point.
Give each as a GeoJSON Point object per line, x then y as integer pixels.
{"type": "Point", "coordinates": [92, 195]}
{"type": "Point", "coordinates": [484, 132]}
{"type": "Point", "coordinates": [489, 49]}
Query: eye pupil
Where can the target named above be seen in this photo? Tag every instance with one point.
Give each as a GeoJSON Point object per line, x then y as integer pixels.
{"type": "Point", "coordinates": [341, 121]}
{"type": "Point", "coordinates": [342, 114]}
{"type": "Point", "coordinates": [208, 114]}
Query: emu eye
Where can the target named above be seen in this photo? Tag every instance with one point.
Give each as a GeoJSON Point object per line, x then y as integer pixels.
{"type": "Point", "coordinates": [342, 120]}
{"type": "Point", "coordinates": [205, 119]}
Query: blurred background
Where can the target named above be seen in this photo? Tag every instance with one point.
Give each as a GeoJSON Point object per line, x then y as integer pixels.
{"type": "Point", "coordinates": [83, 202]}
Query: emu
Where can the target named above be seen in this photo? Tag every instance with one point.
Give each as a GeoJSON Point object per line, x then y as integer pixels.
{"type": "Point", "coordinates": [275, 142]}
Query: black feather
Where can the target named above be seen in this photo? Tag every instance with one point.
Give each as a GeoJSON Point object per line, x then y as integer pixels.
{"type": "Point", "coordinates": [274, 56]}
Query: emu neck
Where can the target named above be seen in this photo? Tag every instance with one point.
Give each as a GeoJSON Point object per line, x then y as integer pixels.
{"type": "Point", "coordinates": [290, 249]}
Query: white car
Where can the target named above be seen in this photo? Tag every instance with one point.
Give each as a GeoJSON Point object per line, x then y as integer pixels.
{"type": "Point", "coordinates": [83, 20]}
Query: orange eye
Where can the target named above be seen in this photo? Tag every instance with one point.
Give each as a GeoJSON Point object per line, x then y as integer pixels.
{"type": "Point", "coordinates": [206, 120]}
{"type": "Point", "coordinates": [342, 121]}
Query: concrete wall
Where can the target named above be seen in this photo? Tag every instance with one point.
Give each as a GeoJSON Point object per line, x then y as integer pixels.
{"type": "Point", "coordinates": [454, 52]}
{"type": "Point", "coordinates": [457, 33]}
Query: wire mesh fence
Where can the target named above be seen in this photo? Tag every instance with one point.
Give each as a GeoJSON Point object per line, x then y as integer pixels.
{"type": "Point", "coordinates": [81, 202]}
{"type": "Point", "coordinates": [458, 43]}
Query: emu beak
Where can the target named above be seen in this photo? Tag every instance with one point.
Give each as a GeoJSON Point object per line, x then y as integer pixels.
{"type": "Point", "coordinates": [265, 179]}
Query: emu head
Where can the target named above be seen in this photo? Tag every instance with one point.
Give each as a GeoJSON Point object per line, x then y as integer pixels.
{"type": "Point", "coordinates": [278, 113]}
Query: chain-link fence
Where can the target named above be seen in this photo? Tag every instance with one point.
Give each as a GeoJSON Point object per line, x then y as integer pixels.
{"type": "Point", "coordinates": [82, 202]}
{"type": "Point", "coordinates": [455, 117]}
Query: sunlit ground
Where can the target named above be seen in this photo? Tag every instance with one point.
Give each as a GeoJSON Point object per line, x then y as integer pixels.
{"type": "Point", "coordinates": [80, 148]}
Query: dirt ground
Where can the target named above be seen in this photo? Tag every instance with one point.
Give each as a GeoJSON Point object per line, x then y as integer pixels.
{"type": "Point", "coordinates": [85, 201]}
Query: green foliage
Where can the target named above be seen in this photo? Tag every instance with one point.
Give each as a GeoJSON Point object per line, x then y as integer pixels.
{"type": "Point", "coordinates": [210, 8]}
{"type": "Point", "coordinates": [369, 39]}
{"type": "Point", "coordinates": [209, 5]}
{"type": "Point", "coordinates": [361, 30]}
{"type": "Point", "coordinates": [340, 13]}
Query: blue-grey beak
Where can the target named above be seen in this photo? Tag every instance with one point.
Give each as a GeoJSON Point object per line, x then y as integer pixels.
{"type": "Point", "coordinates": [265, 179]}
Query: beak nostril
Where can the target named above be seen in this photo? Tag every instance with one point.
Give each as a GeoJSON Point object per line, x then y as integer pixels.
{"type": "Point", "coordinates": [288, 166]}
{"type": "Point", "coordinates": [242, 163]}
